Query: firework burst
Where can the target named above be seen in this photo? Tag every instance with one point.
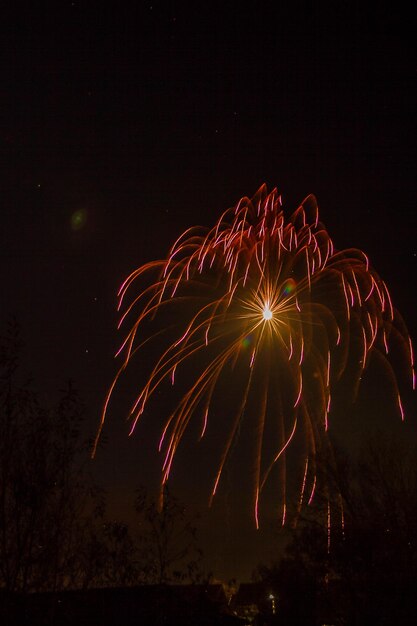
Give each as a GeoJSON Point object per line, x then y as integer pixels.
{"type": "Point", "coordinates": [266, 311]}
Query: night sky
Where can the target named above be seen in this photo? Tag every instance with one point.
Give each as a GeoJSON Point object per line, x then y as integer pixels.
{"type": "Point", "coordinates": [124, 124]}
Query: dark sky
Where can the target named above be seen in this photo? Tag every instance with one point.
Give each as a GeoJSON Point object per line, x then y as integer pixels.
{"type": "Point", "coordinates": [122, 124]}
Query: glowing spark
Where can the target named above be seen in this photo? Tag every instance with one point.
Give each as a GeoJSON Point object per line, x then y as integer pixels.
{"type": "Point", "coordinates": [400, 406]}
{"type": "Point", "coordinates": [256, 509]}
{"type": "Point", "coordinates": [303, 485]}
{"type": "Point", "coordinates": [328, 527]}
{"type": "Point", "coordinates": [204, 424]}
{"type": "Point", "coordinates": [313, 490]}
{"type": "Point", "coordinates": [267, 313]}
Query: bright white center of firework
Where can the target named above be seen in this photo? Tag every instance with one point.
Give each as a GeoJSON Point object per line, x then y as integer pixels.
{"type": "Point", "coordinates": [267, 313]}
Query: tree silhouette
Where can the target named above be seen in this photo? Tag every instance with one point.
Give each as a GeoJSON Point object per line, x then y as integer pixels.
{"type": "Point", "coordinates": [53, 531]}
{"type": "Point", "coordinates": [169, 549]}
{"type": "Point", "coordinates": [367, 574]}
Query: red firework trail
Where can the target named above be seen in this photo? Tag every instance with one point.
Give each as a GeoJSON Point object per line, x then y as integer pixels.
{"type": "Point", "coordinates": [268, 306]}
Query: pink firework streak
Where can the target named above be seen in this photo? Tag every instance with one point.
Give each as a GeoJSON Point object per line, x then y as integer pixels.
{"type": "Point", "coordinates": [266, 309]}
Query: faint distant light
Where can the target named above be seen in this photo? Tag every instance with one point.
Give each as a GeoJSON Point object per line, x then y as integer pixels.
{"type": "Point", "coordinates": [78, 219]}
